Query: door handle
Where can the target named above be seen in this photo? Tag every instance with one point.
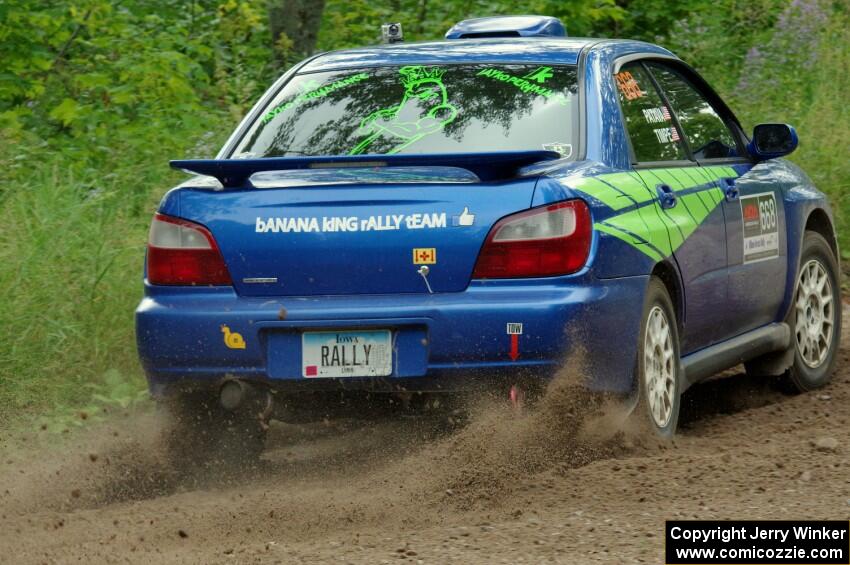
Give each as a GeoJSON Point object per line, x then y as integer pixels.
{"type": "Point", "coordinates": [666, 196]}
{"type": "Point", "coordinates": [730, 189]}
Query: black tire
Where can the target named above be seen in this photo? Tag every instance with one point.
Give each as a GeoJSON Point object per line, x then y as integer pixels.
{"type": "Point", "coordinates": [202, 434]}
{"type": "Point", "coordinates": [804, 375]}
{"type": "Point", "coordinates": [657, 302]}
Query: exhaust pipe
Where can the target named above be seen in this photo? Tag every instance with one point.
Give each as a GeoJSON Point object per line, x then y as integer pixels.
{"type": "Point", "coordinates": [236, 395]}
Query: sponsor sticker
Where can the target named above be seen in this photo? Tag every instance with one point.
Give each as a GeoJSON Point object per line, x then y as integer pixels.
{"type": "Point", "coordinates": [312, 90]}
{"type": "Point", "coordinates": [629, 86]}
{"type": "Point", "coordinates": [667, 135]}
{"type": "Point", "coordinates": [334, 224]}
{"type": "Point", "coordinates": [534, 82]}
{"type": "Point", "coordinates": [465, 219]}
{"type": "Point", "coordinates": [425, 256]}
{"type": "Point", "coordinates": [541, 75]}
{"type": "Point", "coordinates": [232, 340]}
{"type": "Point", "coordinates": [761, 227]}
{"type": "Point", "coordinates": [564, 149]}
{"type": "Point", "coordinates": [656, 115]}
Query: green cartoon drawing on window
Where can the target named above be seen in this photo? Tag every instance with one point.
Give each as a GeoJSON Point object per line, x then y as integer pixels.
{"type": "Point", "coordinates": [424, 109]}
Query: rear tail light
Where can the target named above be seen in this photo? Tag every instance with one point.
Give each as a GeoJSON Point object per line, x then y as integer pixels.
{"type": "Point", "coordinates": [542, 242]}
{"type": "Point", "coordinates": [184, 253]}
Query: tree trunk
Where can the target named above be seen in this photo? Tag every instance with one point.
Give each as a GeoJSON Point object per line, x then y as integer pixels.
{"type": "Point", "coordinates": [299, 21]}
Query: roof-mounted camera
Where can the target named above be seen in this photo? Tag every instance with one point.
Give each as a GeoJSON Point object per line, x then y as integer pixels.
{"type": "Point", "coordinates": [392, 33]}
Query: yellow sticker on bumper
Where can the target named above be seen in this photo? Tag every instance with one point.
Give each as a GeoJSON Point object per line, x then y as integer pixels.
{"type": "Point", "coordinates": [425, 256]}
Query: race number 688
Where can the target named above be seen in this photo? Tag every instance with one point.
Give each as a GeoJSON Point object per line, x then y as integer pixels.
{"type": "Point", "coordinates": [767, 212]}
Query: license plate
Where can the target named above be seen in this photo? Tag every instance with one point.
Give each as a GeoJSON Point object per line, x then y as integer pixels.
{"type": "Point", "coordinates": [366, 353]}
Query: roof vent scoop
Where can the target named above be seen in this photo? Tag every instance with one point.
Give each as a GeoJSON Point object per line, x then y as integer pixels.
{"type": "Point", "coordinates": [508, 26]}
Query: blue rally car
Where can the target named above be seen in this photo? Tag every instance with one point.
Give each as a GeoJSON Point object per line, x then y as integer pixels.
{"type": "Point", "coordinates": [419, 218]}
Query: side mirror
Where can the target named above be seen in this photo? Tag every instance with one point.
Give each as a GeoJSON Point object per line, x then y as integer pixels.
{"type": "Point", "coordinates": [772, 140]}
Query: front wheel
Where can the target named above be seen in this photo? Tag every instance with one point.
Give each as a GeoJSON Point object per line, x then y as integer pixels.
{"type": "Point", "coordinates": [816, 318]}
{"type": "Point", "coordinates": [658, 365]}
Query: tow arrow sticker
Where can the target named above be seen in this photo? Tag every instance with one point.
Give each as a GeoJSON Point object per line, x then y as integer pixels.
{"type": "Point", "coordinates": [514, 330]}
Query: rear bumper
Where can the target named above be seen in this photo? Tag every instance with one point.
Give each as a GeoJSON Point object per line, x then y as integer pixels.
{"type": "Point", "coordinates": [441, 341]}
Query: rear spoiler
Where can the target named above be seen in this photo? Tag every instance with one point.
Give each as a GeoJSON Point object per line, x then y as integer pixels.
{"type": "Point", "coordinates": [236, 173]}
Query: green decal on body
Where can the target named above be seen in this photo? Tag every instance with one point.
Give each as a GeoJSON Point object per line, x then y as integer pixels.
{"type": "Point", "coordinates": [641, 228]}
{"type": "Point", "coordinates": [424, 109]}
{"type": "Point", "coordinates": [642, 245]}
{"type": "Point", "coordinates": [616, 190]}
{"type": "Point", "coordinates": [642, 222]}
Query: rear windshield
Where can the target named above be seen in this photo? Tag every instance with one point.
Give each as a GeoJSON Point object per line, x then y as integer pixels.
{"type": "Point", "coordinates": [419, 109]}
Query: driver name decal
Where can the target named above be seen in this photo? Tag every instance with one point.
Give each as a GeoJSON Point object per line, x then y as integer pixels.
{"type": "Point", "coordinates": [629, 86]}
{"type": "Point", "coordinates": [317, 92]}
{"type": "Point", "coordinates": [524, 83]}
{"type": "Point", "coordinates": [333, 224]}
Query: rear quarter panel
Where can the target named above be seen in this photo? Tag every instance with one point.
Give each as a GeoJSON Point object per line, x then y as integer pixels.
{"type": "Point", "coordinates": [609, 194]}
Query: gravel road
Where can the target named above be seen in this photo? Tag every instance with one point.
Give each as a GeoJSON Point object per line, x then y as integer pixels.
{"type": "Point", "coordinates": [561, 484]}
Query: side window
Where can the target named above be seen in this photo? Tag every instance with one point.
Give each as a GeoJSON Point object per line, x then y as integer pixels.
{"type": "Point", "coordinates": [708, 135]}
{"type": "Point", "coordinates": [653, 135]}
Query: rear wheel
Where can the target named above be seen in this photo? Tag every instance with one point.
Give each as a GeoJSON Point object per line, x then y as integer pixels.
{"type": "Point", "coordinates": [816, 317]}
{"type": "Point", "coordinates": [658, 364]}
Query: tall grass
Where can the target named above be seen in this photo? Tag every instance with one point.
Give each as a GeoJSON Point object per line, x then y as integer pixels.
{"type": "Point", "coordinates": [71, 252]}
{"type": "Point", "coordinates": [824, 125]}
{"type": "Point", "coordinates": [809, 91]}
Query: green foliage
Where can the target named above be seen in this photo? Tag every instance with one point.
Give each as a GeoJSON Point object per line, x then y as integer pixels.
{"type": "Point", "coordinates": [793, 66]}
{"type": "Point", "coordinates": [101, 77]}
{"type": "Point", "coordinates": [70, 251]}
{"type": "Point", "coordinates": [353, 23]}
{"type": "Point", "coordinates": [715, 39]}
{"type": "Point", "coordinates": [96, 96]}
{"type": "Point", "coordinates": [818, 108]}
